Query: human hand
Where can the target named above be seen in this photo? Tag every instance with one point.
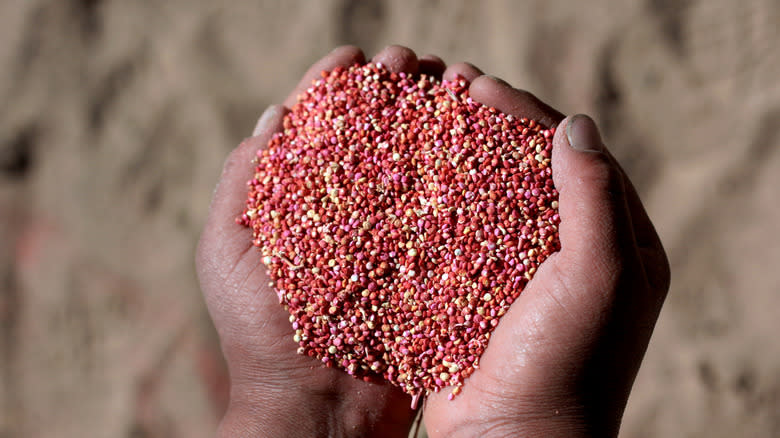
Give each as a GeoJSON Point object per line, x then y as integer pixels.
{"type": "Point", "coordinates": [564, 357]}
{"type": "Point", "coordinates": [274, 390]}
{"type": "Point", "coordinates": [547, 369]}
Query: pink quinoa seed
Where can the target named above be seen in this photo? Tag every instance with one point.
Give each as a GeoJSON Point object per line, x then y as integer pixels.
{"type": "Point", "coordinates": [398, 220]}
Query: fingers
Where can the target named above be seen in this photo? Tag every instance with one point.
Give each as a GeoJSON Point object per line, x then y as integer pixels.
{"type": "Point", "coordinates": [498, 94]}
{"type": "Point", "coordinates": [431, 65]}
{"type": "Point", "coordinates": [395, 58]}
{"type": "Point", "coordinates": [494, 92]}
{"type": "Point", "coordinates": [341, 56]}
{"type": "Point", "coordinates": [230, 195]}
{"type": "Point", "coordinates": [595, 219]}
{"type": "Point", "coordinates": [463, 70]}
{"type": "Point", "coordinates": [596, 229]}
{"type": "Point", "coordinates": [398, 59]}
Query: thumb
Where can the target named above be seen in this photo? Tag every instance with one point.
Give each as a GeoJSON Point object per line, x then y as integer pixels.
{"type": "Point", "coordinates": [595, 231]}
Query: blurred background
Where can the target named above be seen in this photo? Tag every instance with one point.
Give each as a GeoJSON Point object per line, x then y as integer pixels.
{"type": "Point", "coordinates": [115, 118]}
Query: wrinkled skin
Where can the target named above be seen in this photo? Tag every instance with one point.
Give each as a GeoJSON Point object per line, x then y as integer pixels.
{"type": "Point", "coordinates": [562, 360]}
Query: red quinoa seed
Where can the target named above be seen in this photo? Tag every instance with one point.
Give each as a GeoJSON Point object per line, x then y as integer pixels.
{"type": "Point", "coordinates": [399, 219]}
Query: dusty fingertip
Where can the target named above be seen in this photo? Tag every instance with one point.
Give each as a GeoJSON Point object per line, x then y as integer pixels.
{"type": "Point", "coordinates": [465, 70]}
{"type": "Point", "coordinates": [397, 59]}
{"type": "Point", "coordinates": [432, 65]}
{"type": "Point", "coordinates": [487, 85]}
{"type": "Point", "coordinates": [353, 53]}
{"type": "Point", "coordinates": [497, 80]}
{"type": "Point", "coordinates": [432, 58]}
{"type": "Point", "coordinates": [398, 49]}
{"type": "Point", "coordinates": [493, 92]}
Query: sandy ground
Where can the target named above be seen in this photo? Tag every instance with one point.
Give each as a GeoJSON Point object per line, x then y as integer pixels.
{"type": "Point", "coordinates": [116, 116]}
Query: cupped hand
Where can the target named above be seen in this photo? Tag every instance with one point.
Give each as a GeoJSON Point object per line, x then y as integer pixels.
{"type": "Point", "coordinates": [274, 390]}
{"type": "Point", "coordinates": [560, 363]}
{"type": "Point", "coordinates": [564, 357]}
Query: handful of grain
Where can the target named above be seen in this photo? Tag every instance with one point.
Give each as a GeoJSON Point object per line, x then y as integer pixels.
{"type": "Point", "coordinates": [399, 220]}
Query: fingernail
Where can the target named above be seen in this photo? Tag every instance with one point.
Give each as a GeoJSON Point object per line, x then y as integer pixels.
{"type": "Point", "coordinates": [583, 134]}
{"type": "Point", "coordinates": [269, 114]}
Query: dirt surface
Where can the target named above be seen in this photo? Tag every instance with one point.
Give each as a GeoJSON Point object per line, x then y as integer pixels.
{"type": "Point", "coordinates": [116, 117]}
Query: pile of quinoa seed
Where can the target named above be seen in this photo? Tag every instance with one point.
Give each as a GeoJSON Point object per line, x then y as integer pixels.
{"type": "Point", "coordinates": [399, 219]}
